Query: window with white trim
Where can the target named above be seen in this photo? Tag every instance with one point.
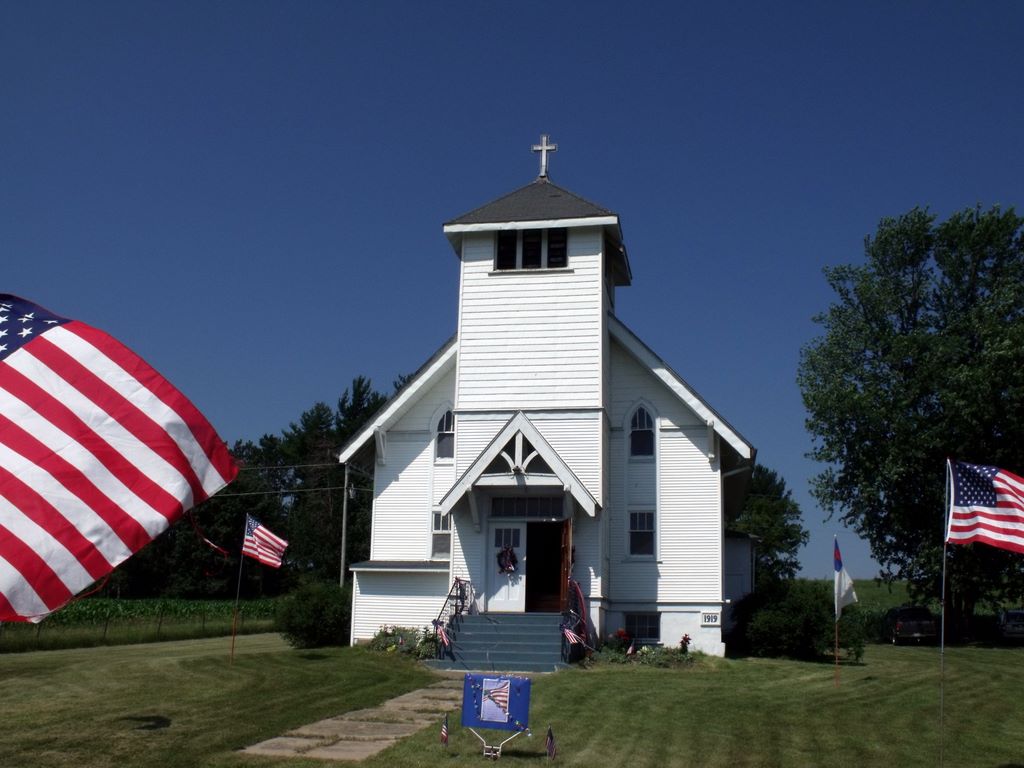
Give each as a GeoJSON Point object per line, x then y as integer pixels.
{"type": "Point", "coordinates": [641, 533]}
{"type": "Point", "coordinates": [441, 536]}
{"type": "Point", "coordinates": [444, 443]}
{"type": "Point", "coordinates": [641, 433]}
{"type": "Point", "coordinates": [531, 249]}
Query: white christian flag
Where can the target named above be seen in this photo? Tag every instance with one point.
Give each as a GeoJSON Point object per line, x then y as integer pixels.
{"type": "Point", "coordinates": [986, 505]}
{"type": "Point", "coordinates": [844, 584]}
{"type": "Point", "coordinates": [99, 454]}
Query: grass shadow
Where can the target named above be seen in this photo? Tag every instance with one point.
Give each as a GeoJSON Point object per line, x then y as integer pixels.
{"type": "Point", "coordinates": [149, 722]}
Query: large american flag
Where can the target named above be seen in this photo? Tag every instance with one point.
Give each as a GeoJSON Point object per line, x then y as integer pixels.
{"type": "Point", "coordinates": [261, 544]}
{"type": "Point", "coordinates": [986, 505]}
{"type": "Point", "coordinates": [99, 454]}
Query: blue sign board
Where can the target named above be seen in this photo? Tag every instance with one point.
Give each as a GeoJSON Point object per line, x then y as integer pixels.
{"type": "Point", "coordinates": [496, 701]}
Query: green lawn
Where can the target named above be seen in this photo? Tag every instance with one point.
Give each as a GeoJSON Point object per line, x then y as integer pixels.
{"type": "Point", "coordinates": [182, 704]}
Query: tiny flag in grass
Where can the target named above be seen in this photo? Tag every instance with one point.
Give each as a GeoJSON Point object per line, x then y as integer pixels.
{"type": "Point", "coordinates": [843, 583]}
{"type": "Point", "coordinates": [444, 731]}
{"type": "Point", "coordinates": [549, 744]}
{"type": "Point", "coordinates": [261, 544]}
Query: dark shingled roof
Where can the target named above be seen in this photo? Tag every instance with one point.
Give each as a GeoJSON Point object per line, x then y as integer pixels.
{"type": "Point", "coordinates": [537, 201]}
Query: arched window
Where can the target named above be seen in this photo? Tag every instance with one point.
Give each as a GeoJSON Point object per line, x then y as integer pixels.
{"type": "Point", "coordinates": [444, 447]}
{"type": "Point", "coordinates": [641, 433]}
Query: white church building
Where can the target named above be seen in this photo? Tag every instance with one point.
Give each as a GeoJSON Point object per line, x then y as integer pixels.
{"type": "Point", "coordinates": [546, 432]}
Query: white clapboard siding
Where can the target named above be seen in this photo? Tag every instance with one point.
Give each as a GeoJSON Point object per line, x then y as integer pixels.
{"type": "Point", "coordinates": [423, 414]}
{"type": "Point", "coordinates": [586, 540]}
{"type": "Point", "coordinates": [530, 338]}
{"type": "Point", "coordinates": [690, 517]}
{"type": "Point", "coordinates": [443, 480]}
{"type": "Point", "coordinates": [473, 433]}
{"type": "Point", "coordinates": [576, 437]}
{"type": "Point", "coordinates": [402, 599]}
{"type": "Point", "coordinates": [632, 383]}
{"type": "Point", "coordinates": [402, 507]}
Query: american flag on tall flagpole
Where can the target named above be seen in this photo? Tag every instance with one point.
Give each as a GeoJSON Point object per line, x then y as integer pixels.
{"type": "Point", "coordinates": [261, 544]}
{"type": "Point", "coordinates": [986, 505]}
{"type": "Point", "coordinates": [99, 454]}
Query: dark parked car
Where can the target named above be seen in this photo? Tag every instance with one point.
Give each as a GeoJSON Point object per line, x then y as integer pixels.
{"type": "Point", "coordinates": [1011, 625]}
{"type": "Point", "coordinates": [911, 623]}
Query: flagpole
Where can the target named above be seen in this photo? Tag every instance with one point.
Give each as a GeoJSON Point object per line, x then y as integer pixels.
{"type": "Point", "coordinates": [238, 594]}
{"type": "Point", "coordinates": [835, 676]}
{"type": "Point", "coordinates": [942, 625]}
{"type": "Point", "coordinates": [837, 653]}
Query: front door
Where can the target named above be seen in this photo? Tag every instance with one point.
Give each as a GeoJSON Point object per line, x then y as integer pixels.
{"type": "Point", "coordinates": [506, 568]}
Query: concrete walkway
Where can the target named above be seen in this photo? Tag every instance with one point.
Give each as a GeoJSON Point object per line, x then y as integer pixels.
{"type": "Point", "coordinates": [365, 732]}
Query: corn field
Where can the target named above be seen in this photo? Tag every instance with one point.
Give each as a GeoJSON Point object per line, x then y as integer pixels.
{"type": "Point", "coordinates": [106, 621]}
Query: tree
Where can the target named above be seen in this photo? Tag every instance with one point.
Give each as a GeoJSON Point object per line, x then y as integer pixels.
{"type": "Point", "coordinates": [773, 516]}
{"type": "Point", "coordinates": [922, 359]}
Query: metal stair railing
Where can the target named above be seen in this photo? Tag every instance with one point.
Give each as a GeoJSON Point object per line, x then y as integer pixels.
{"type": "Point", "coordinates": [457, 603]}
{"type": "Point", "coordinates": [575, 635]}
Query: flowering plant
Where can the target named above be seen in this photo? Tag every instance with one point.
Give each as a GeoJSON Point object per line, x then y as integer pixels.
{"type": "Point", "coordinates": [684, 644]}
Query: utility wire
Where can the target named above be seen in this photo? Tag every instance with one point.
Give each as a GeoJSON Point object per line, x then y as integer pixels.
{"type": "Point", "coordinates": [285, 493]}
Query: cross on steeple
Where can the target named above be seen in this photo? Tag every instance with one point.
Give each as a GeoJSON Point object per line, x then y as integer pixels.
{"type": "Point", "coordinates": [544, 148]}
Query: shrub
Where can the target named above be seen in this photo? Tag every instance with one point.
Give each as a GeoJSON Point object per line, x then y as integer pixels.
{"type": "Point", "coordinates": [418, 643]}
{"type": "Point", "coordinates": [314, 615]}
{"type": "Point", "coordinates": [795, 619]}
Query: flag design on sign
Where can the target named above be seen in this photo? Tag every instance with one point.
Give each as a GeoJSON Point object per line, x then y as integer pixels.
{"type": "Point", "coordinates": [99, 454]}
{"type": "Point", "coordinates": [261, 544]}
{"type": "Point", "coordinates": [986, 505]}
{"type": "Point", "coordinates": [549, 744]}
{"type": "Point", "coordinates": [494, 703]}
{"type": "Point", "coordinates": [843, 583]}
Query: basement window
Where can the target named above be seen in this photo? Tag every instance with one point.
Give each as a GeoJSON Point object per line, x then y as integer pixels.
{"type": "Point", "coordinates": [644, 627]}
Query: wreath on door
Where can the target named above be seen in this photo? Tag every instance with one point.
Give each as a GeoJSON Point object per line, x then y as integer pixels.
{"type": "Point", "coordinates": [507, 560]}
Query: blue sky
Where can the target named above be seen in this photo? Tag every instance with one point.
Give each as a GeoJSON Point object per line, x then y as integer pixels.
{"type": "Point", "coordinates": [250, 194]}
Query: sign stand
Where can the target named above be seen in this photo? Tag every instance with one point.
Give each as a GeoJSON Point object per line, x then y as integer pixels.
{"type": "Point", "coordinates": [492, 751]}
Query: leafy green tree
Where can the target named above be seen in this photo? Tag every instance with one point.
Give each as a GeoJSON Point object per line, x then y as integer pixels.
{"type": "Point", "coordinates": [773, 516]}
{"type": "Point", "coordinates": [922, 358]}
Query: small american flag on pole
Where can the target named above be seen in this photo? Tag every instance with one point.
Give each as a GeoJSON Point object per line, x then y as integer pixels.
{"type": "Point", "coordinates": [986, 505]}
{"type": "Point", "coordinates": [99, 454]}
{"type": "Point", "coordinates": [442, 633]}
{"type": "Point", "coordinates": [444, 730]}
{"type": "Point", "coordinates": [261, 544]}
{"type": "Point", "coordinates": [549, 744]}
{"type": "Point", "coordinates": [571, 636]}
